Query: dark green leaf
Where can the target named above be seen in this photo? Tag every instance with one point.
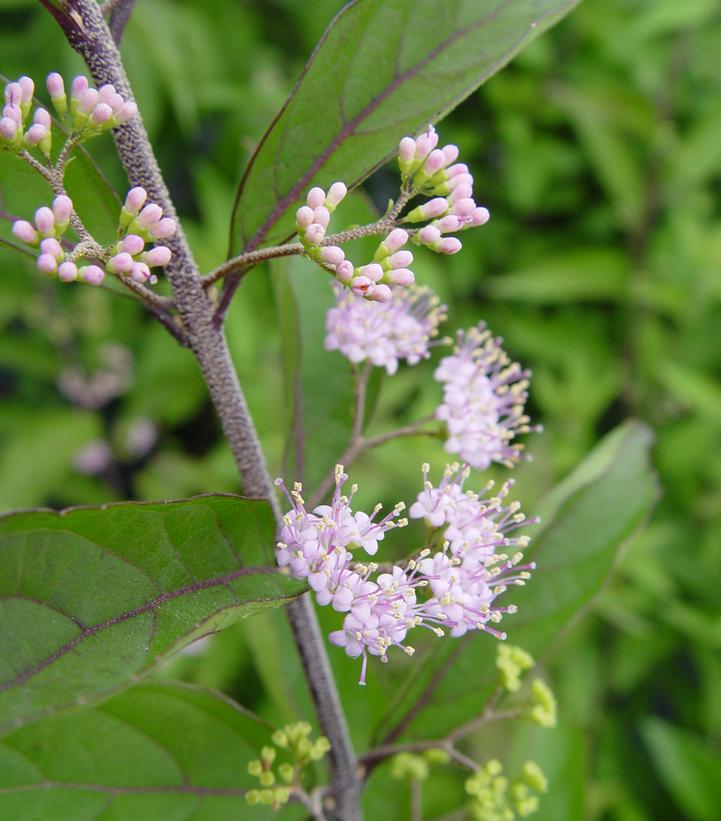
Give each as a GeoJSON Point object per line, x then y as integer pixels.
{"type": "Point", "coordinates": [92, 598]}
{"type": "Point", "coordinates": [589, 518]}
{"type": "Point", "coordinates": [380, 71]}
{"type": "Point", "coordinates": [169, 751]}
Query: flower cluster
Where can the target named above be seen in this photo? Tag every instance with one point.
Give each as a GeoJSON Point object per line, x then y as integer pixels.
{"type": "Point", "coordinates": [139, 223]}
{"type": "Point", "coordinates": [454, 587]}
{"type": "Point", "coordinates": [434, 172]}
{"type": "Point", "coordinates": [89, 111]}
{"type": "Point", "coordinates": [385, 332]}
{"type": "Point", "coordinates": [483, 400]}
{"type": "Point", "coordinates": [495, 798]}
{"type": "Point", "coordinates": [372, 280]}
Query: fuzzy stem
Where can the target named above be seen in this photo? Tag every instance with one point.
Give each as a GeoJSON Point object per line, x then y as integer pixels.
{"type": "Point", "coordinates": [86, 30]}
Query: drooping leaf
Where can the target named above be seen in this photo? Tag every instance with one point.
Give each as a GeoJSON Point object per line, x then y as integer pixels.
{"type": "Point", "coordinates": [92, 598]}
{"type": "Point", "coordinates": [588, 519]}
{"type": "Point", "coordinates": [160, 750]}
{"type": "Point", "coordinates": [381, 70]}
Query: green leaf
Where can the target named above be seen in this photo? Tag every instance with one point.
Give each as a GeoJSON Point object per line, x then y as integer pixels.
{"type": "Point", "coordinates": [170, 751]}
{"type": "Point", "coordinates": [92, 598]}
{"type": "Point", "coordinates": [687, 766]}
{"type": "Point", "coordinates": [593, 513]}
{"type": "Point", "coordinates": [380, 71]}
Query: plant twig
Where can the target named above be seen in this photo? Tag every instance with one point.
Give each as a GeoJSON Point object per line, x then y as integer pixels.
{"type": "Point", "coordinates": [86, 30]}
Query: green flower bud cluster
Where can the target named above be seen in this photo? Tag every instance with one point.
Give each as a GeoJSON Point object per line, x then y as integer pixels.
{"type": "Point", "coordinates": [494, 797]}
{"type": "Point", "coordinates": [416, 766]}
{"type": "Point", "coordinates": [543, 709]}
{"type": "Point", "coordinates": [276, 783]}
{"type": "Point", "coordinates": [511, 663]}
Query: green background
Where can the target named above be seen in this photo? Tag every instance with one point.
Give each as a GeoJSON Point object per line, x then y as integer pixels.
{"type": "Point", "coordinates": [598, 153]}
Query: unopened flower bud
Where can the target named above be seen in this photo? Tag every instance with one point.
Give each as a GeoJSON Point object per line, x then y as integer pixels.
{"type": "Point", "coordinates": [449, 224]}
{"type": "Point", "coordinates": [331, 255]}
{"type": "Point", "coordinates": [395, 240]}
{"type": "Point", "coordinates": [101, 114]}
{"type": "Point", "coordinates": [344, 271]}
{"type": "Point", "coordinates": [150, 214]}
{"type": "Point", "coordinates": [434, 162]}
{"type": "Point", "coordinates": [157, 257]}
{"type": "Point", "coordinates": [380, 293]}
{"type": "Point", "coordinates": [88, 100]}
{"type": "Point", "coordinates": [121, 263]}
{"type": "Point", "coordinates": [401, 259]}
{"type": "Point", "coordinates": [126, 112]}
{"type": "Point", "coordinates": [315, 234]}
{"type": "Point", "coordinates": [336, 194]}
{"type": "Point", "coordinates": [92, 274]}
{"type": "Point", "coordinates": [56, 90]}
{"type": "Point", "coordinates": [426, 143]}
{"type": "Point", "coordinates": [429, 234]}
{"type": "Point", "coordinates": [28, 88]}
{"type": "Point", "coordinates": [361, 285]}
{"type": "Point", "coordinates": [132, 244]}
{"type": "Point", "coordinates": [406, 149]}
{"type": "Point", "coordinates": [373, 271]}
{"type": "Point", "coordinates": [106, 93]}
{"type": "Point", "coordinates": [451, 153]}
{"type": "Point", "coordinates": [47, 263]}
{"type": "Point", "coordinates": [67, 272]}
{"type": "Point", "coordinates": [62, 210]}
{"type": "Point", "coordinates": [316, 197]}
{"type": "Point", "coordinates": [78, 86]}
{"type": "Point", "coordinates": [52, 246]}
{"type": "Point", "coordinates": [14, 94]}
{"type": "Point", "coordinates": [25, 232]}
{"type": "Point", "coordinates": [321, 215]}
{"type": "Point", "coordinates": [449, 245]}
{"type": "Point", "coordinates": [461, 191]}
{"type": "Point", "coordinates": [140, 272]}
{"type": "Point", "coordinates": [429, 210]}
{"type": "Point", "coordinates": [45, 221]}
{"type": "Point", "coordinates": [463, 207]}
{"type": "Point", "coordinates": [163, 229]}
{"type": "Point", "coordinates": [42, 117]}
{"type": "Point", "coordinates": [135, 200]}
{"type": "Point", "coordinates": [8, 128]}
{"type": "Point", "coordinates": [479, 216]}
{"type": "Point", "coordinates": [400, 276]}
{"type": "Point", "coordinates": [35, 134]}
{"type": "Point", "coordinates": [303, 217]}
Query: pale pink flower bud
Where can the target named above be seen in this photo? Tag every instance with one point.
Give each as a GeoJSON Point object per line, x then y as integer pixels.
{"type": "Point", "coordinates": [459, 179]}
{"type": "Point", "coordinates": [336, 194]}
{"type": "Point", "coordinates": [392, 243]}
{"type": "Point", "coordinates": [52, 247]}
{"type": "Point", "coordinates": [140, 272]}
{"type": "Point", "coordinates": [461, 192]}
{"type": "Point", "coordinates": [25, 232]}
{"type": "Point", "coordinates": [92, 274]}
{"type": "Point", "coordinates": [451, 153]}
{"type": "Point", "coordinates": [464, 207]}
{"type": "Point", "coordinates": [47, 263]}
{"type": "Point", "coordinates": [132, 244]}
{"type": "Point", "coordinates": [13, 112]}
{"type": "Point", "coordinates": [303, 216]}
{"type": "Point", "coordinates": [372, 271]}
{"type": "Point", "coordinates": [429, 234]}
{"type": "Point", "coordinates": [344, 271]}
{"type": "Point", "coordinates": [401, 259]}
{"type": "Point", "coordinates": [157, 257]}
{"type": "Point", "coordinates": [151, 214]}
{"type": "Point", "coordinates": [8, 128]}
{"type": "Point", "coordinates": [101, 114]}
{"type": "Point", "coordinates": [479, 216]}
{"type": "Point", "coordinates": [361, 285]}
{"type": "Point", "coordinates": [135, 200]}
{"type": "Point", "coordinates": [62, 209]}
{"type": "Point", "coordinates": [434, 162]}
{"type": "Point", "coordinates": [449, 224]}
{"type": "Point", "coordinates": [121, 263]}
{"type": "Point", "coordinates": [321, 215]}
{"type": "Point", "coordinates": [55, 85]}
{"type": "Point", "coordinates": [455, 170]}
{"type": "Point", "coordinates": [164, 229]}
{"type": "Point", "coordinates": [316, 197]}
{"type": "Point", "coordinates": [380, 293]}
{"type": "Point", "coordinates": [67, 272]}
{"type": "Point", "coordinates": [13, 94]}
{"type": "Point", "coordinates": [88, 100]}
{"type": "Point", "coordinates": [449, 245]}
{"type": "Point", "coordinates": [429, 210]}
{"type": "Point", "coordinates": [400, 276]}
{"type": "Point", "coordinates": [78, 86]}
{"type": "Point", "coordinates": [315, 234]}
{"type": "Point", "coordinates": [426, 143]}
{"type": "Point", "coordinates": [406, 149]}
{"type": "Point", "coordinates": [115, 101]}
{"type": "Point", "coordinates": [35, 134]}
{"type": "Point", "coordinates": [126, 112]}
{"type": "Point", "coordinates": [45, 221]}
{"type": "Point", "coordinates": [106, 93]}
{"type": "Point", "coordinates": [42, 117]}
{"type": "Point", "coordinates": [28, 88]}
{"type": "Point", "coordinates": [332, 255]}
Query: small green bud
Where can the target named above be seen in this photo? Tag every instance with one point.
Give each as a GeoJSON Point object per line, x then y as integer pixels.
{"type": "Point", "coordinates": [281, 795]}
{"type": "Point", "coordinates": [255, 767]}
{"type": "Point", "coordinates": [267, 796]}
{"type": "Point", "coordinates": [286, 772]}
{"type": "Point", "coordinates": [268, 755]}
{"type": "Point", "coordinates": [252, 797]}
{"type": "Point", "coordinates": [267, 778]}
{"type": "Point", "coordinates": [280, 739]}
{"type": "Point", "coordinates": [544, 710]}
{"type": "Point", "coordinates": [436, 756]}
{"type": "Point", "coordinates": [533, 776]}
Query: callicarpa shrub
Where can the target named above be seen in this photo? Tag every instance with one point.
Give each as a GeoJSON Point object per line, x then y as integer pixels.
{"type": "Point", "coordinates": [92, 599]}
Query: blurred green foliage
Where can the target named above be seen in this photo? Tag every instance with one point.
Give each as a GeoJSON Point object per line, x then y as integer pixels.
{"type": "Point", "coordinates": [598, 152]}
